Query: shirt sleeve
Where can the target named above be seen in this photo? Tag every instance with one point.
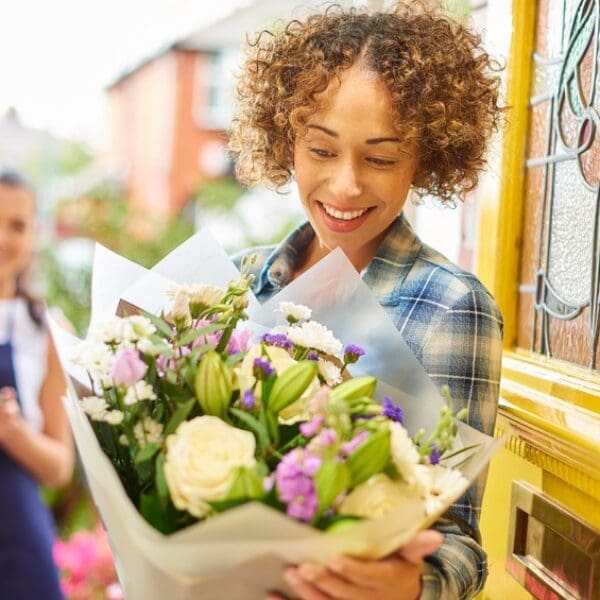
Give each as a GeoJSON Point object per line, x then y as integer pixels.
{"type": "Point", "coordinates": [464, 352]}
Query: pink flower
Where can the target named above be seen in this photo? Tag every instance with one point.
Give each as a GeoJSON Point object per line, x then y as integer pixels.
{"type": "Point", "coordinates": [128, 367]}
{"type": "Point", "coordinates": [239, 341]}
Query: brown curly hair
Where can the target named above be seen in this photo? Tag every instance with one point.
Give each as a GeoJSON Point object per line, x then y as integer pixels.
{"type": "Point", "coordinates": [444, 90]}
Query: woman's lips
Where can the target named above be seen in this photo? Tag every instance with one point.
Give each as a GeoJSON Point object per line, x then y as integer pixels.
{"type": "Point", "coordinates": [342, 225]}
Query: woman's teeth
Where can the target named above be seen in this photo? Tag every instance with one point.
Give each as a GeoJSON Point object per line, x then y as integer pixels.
{"type": "Point", "coordinates": [346, 215]}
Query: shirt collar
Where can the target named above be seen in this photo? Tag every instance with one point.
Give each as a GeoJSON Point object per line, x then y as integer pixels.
{"type": "Point", "coordinates": [385, 273]}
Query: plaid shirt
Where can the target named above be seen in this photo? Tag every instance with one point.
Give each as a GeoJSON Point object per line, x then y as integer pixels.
{"type": "Point", "coordinates": [453, 326]}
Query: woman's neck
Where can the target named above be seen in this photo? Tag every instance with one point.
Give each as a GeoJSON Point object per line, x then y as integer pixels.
{"type": "Point", "coordinates": [360, 258]}
{"type": "Point", "coordinates": [8, 289]}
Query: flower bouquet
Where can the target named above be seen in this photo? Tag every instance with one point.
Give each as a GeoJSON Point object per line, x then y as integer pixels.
{"type": "Point", "coordinates": [218, 447]}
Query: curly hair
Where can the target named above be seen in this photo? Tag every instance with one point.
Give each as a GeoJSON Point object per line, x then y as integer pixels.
{"type": "Point", "coordinates": [444, 90]}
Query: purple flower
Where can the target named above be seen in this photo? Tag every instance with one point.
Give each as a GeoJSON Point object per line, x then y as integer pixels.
{"type": "Point", "coordinates": [128, 367]}
{"type": "Point", "coordinates": [312, 427]}
{"type": "Point", "coordinates": [352, 352]}
{"type": "Point", "coordinates": [312, 356]}
{"type": "Point", "coordinates": [294, 483]}
{"type": "Point", "coordinates": [349, 447]}
{"type": "Point", "coordinates": [239, 341]}
{"type": "Point", "coordinates": [248, 400]}
{"type": "Point", "coordinates": [392, 411]}
{"type": "Point", "coordinates": [325, 439]}
{"type": "Point", "coordinates": [304, 508]}
{"type": "Point", "coordinates": [262, 368]}
{"type": "Point", "coordinates": [276, 339]}
{"type": "Point", "coordinates": [434, 456]}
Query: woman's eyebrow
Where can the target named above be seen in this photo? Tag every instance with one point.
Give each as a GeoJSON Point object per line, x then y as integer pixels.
{"type": "Point", "coordinates": [330, 132]}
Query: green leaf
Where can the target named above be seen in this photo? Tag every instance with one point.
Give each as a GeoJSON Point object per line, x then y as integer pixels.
{"type": "Point", "coordinates": [247, 484]}
{"type": "Point", "coordinates": [160, 324]}
{"type": "Point", "coordinates": [160, 480]}
{"type": "Point", "coordinates": [254, 425]}
{"type": "Point", "coordinates": [147, 452]}
{"type": "Point", "coordinates": [183, 410]}
{"type": "Point", "coordinates": [191, 335]}
{"type": "Point", "coordinates": [160, 517]}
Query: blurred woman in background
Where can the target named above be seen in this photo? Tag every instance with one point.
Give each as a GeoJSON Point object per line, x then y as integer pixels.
{"type": "Point", "coordinates": [35, 441]}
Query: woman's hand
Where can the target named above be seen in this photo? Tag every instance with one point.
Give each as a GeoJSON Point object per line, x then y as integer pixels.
{"type": "Point", "coordinates": [10, 415]}
{"type": "Point", "coordinates": [397, 577]}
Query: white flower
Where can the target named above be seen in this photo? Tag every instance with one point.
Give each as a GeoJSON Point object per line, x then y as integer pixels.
{"type": "Point", "coordinates": [95, 407]}
{"type": "Point", "coordinates": [296, 311]}
{"type": "Point", "coordinates": [331, 373]}
{"type": "Point", "coordinates": [441, 486]}
{"type": "Point", "coordinates": [146, 346]}
{"type": "Point", "coordinates": [202, 457]}
{"type": "Point", "coordinates": [205, 294]}
{"type": "Point", "coordinates": [180, 310]}
{"type": "Point", "coordinates": [148, 431]}
{"type": "Point", "coordinates": [109, 331]}
{"type": "Point", "coordinates": [97, 359]}
{"type": "Point", "coordinates": [123, 440]}
{"type": "Point", "coordinates": [139, 391]}
{"type": "Point", "coordinates": [113, 417]}
{"type": "Point", "coordinates": [141, 327]}
{"type": "Point", "coordinates": [378, 497]}
{"type": "Point", "coordinates": [404, 453]}
{"type": "Point", "coordinates": [314, 335]}
{"type": "Point", "coordinates": [278, 357]}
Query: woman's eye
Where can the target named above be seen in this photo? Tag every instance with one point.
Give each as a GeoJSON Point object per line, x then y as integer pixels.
{"type": "Point", "coordinates": [322, 153]}
{"type": "Point", "coordinates": [381, 162]}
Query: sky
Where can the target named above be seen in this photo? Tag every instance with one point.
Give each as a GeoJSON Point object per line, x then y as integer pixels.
{"type": "Point", "coordinates": [56, 57]}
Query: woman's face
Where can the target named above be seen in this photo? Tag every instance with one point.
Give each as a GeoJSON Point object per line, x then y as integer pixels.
{"type": "Point", "coordinates": [17, 230]}
{"type": "Point", "coordinates": [352, 169]}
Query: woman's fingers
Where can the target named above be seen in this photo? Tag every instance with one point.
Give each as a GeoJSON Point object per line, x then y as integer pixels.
{"type": "Point", "coordinates": [422, 545]}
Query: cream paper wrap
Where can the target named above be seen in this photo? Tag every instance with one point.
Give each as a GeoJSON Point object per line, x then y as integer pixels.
{"type": "Point", "coordinates": [241, 553]}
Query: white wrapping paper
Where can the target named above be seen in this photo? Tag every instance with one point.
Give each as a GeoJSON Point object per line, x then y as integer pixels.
{"type": "Point", "coordinates": [240, 553]}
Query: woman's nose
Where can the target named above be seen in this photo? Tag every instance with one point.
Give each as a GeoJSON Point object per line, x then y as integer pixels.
{"type": "Point", "coordinates": [345, 183]}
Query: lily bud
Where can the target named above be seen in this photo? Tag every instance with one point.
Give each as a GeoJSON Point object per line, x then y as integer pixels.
{"type": "Point", "coordinates": [370, 457]}
{"type": "Point", "coordinates": [354, 388]}
{"type": "Point", "coordinates": [291, 384]}
{"type": "Point", "coordinates": [246, 484]}
{"type": "Point", "coordinates": [213, 385]}
{"type": "Point", "coordinates": [331, 480]}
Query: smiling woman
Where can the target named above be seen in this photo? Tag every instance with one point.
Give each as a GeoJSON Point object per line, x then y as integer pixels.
{"type": "Point", "coordinates": [35, 443]}
{"type": "Point", "coordinates": [359, 108]}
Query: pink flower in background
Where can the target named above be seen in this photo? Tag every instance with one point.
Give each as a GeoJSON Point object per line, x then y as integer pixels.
{"type": "Point", "coordinates": [128, 367]}
{"type": "Point", "coordinates": [86, 565]}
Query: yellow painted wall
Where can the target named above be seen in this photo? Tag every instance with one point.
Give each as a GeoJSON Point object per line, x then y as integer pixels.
{"type": "Point", "coordinates": [495, 516]}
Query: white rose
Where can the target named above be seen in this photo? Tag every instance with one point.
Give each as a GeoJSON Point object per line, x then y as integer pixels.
{"type": "Point", "coordinates": [202, 456]}
{"type": "Point", "coordinates": [314, 335]}
{"type": "Point", "coordinates": [378, 497]}
{"type": "Point", "coordinates": [296, 311]}
{"type": "Point", "coordinates": [404, 453]}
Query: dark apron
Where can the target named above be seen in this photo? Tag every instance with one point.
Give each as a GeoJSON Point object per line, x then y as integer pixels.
{"type": "Point", "coordinates": [27, 569]}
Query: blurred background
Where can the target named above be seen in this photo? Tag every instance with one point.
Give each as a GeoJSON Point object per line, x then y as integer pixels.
{"type": "Point", "coordinates": [118, 112]}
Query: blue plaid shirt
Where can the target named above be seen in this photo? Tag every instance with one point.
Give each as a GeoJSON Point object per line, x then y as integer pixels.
{"type": "Point", "coordinates": [453, 326]}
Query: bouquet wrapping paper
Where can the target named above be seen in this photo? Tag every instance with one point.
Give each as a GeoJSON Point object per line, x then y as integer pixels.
{"type": "Point", "coordinates": [240, 553]}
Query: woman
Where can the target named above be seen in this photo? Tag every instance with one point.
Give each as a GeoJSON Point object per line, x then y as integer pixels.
{"type": "Point", "coordinates": [361, 108]}
{"type": "Point", "coordinates": [35, 443]}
